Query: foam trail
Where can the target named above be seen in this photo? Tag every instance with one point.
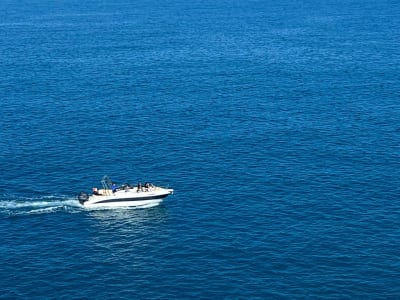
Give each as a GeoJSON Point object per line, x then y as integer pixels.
{"type": "Point", "coordinates": [13, 204]}
{"type": "Point", "coordinates": [44, 210]}
{"type": "Point", "coordinates": [43, 205]}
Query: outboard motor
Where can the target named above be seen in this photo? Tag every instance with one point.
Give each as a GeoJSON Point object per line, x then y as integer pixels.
{"type": "Point", "coordinates": [83, 197]}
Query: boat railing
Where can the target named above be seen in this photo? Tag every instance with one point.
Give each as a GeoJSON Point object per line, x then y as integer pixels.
{"type": "Point", "coordinates": [106, 183]}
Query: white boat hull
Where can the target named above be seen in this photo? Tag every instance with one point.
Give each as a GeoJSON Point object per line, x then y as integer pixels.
{"type": "Point", "coordinates": [129, 198]}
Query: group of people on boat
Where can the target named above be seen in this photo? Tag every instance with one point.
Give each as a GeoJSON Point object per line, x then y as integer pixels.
{"type": "Point", "coordinates": [126, 187]}
{"type": "Point", "coordinates": [144, 188]}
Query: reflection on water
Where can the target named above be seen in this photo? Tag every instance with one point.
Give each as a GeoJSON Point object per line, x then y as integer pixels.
{"type": "Point", "coordinates": [125, 236]}
{"type": "Point", "coordinates": [128, 217]}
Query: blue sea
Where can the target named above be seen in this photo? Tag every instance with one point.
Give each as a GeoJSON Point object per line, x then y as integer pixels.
{"type": "Point", "coordinates": [277, 123]}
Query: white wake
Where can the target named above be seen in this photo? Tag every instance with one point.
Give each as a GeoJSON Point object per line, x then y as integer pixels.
{"type": "Point", "coordinates": [38, 206]}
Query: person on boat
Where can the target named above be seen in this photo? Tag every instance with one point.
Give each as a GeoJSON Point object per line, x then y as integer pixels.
{"type": "Point", "coordinates": [96, 192]}
{"type": "Point", "coordinates": [114, 188]}
{"type": "Point", "coordinates": [139, 187]}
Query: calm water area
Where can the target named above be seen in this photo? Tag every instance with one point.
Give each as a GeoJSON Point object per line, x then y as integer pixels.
{"type": "Point", "coordinates": [276, 122]}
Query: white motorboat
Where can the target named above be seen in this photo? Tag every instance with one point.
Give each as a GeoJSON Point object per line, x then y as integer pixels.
{"type": "Point", "coordinates": [125, 195]}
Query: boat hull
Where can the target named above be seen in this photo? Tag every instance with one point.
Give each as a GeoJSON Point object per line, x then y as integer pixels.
{"type": "Point", "coordinates": [128, 199]}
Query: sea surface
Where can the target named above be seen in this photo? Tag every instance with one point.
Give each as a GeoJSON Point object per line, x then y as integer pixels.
{"type": "Point", "coordinates": [276, 122]}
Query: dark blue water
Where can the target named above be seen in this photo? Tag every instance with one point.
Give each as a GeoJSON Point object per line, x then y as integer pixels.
{"type": "Point", "coordinates": [276, 122]}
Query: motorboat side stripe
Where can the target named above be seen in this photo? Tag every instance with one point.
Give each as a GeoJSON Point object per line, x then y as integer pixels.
{"type": "Point", "coordinates": [132, 199]}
